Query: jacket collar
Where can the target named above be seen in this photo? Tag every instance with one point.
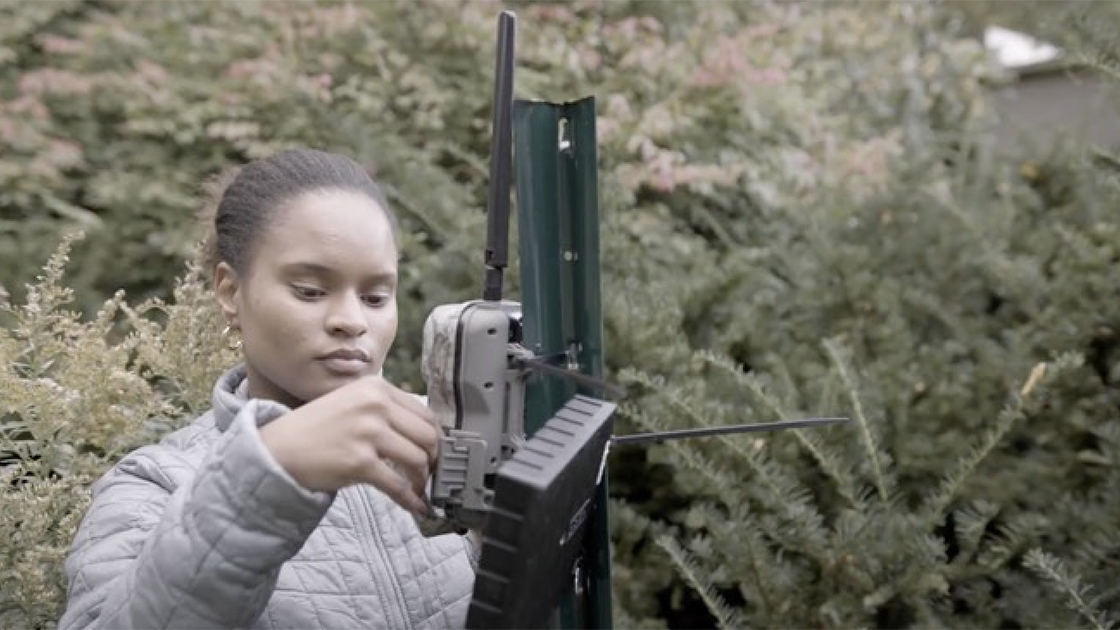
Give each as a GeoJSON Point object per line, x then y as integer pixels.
{"type": "Point", "coordinates": [231, 393]}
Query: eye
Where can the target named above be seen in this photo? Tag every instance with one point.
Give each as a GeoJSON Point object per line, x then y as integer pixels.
{"type": "Point", "coordinates": [305, 292]}
{"type": "Point", "coordinates": [376, 300]}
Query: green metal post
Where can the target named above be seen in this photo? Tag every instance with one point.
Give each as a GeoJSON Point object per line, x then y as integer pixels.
{"type": "Point", "coordinates": [555, 161]}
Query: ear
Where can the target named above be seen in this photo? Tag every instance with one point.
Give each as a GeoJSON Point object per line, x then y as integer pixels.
{"type": "Point", "coordinates": [227, 291]}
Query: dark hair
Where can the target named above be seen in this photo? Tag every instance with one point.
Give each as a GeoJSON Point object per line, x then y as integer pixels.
{"type": "Point", "coordinates": [247, 199]}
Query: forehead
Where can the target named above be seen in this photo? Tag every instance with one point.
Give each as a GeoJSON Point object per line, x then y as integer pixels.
{"type": "Point", "coordinates": [337, 228]}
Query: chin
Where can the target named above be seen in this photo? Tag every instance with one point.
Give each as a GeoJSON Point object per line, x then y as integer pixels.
{"type": "Point", "coordinates": [313, 387]}
{"type": "Point", "coordinates": [328, 380]}
{"type": "Point", "coordinates": [320, 382]}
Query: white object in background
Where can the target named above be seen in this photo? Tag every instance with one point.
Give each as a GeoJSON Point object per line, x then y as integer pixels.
{"type": "Point", "coordinates": [1015, 50]}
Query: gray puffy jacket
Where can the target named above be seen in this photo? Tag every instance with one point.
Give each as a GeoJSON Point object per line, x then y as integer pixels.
{"type": "Point", "coordinates": [205, 530]}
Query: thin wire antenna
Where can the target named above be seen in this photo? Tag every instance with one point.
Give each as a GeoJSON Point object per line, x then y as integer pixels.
{"type": "Point", "coordinates": [661, 436]}
{"type": "Point", "coordinates": [501, 150]}
{"type": "Point", "coordinates": [571, 375]}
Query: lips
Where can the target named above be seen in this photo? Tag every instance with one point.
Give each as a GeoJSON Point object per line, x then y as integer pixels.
{"type": "Point", "coordinates": [349, 354]}
{"type": "Point", "coordinates": [346, 362]}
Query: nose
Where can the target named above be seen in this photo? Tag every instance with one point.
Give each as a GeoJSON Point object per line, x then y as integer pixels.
{"type": "Point", "coordinates": [346, 316]}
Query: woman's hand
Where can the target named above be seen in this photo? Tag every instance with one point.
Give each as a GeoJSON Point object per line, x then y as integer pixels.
{"type": "Point", "coordinates": [368, 431]}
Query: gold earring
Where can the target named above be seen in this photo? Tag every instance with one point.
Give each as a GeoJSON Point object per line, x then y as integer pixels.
{"type": "Point", "coordinates": [231, 342]}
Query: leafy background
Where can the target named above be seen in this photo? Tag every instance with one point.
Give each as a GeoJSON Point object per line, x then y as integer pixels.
{"type": "Point", "coordinates": [803, 213]}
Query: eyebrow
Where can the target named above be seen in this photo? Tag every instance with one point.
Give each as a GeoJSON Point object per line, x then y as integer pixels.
{"type": "Point", "coordinates": [323, 270]}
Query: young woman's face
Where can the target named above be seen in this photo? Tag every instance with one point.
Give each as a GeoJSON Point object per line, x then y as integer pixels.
{"type": "Point", "coordinates": [316, 305]}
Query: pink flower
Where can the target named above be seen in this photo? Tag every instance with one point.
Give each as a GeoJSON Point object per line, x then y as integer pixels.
{"type": "Point", "coordinates": [58, 44]}
{"type": "Point", "coordinates": [31, 106]}
{"type": "Point", "coordinates": [152, 71]}
{"type": "Point", "coordinates": [550, 13]}
{"type": "Point", "coordinates": [8, 130]}
{"type": "Point", "coordinates": [63, 152]}
{"type": "Point", "coordinates": [52, 81]}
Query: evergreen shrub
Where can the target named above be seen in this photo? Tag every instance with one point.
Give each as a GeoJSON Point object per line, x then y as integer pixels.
{"type": "Point", "coordinates": [801, 215]}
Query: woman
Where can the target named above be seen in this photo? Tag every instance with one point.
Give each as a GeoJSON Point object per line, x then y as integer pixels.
{"type": "Point", "coordinates": [290, 503]}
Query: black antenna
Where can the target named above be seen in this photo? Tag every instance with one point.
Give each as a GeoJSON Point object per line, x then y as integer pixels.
{"type": "Point", "coordinates": [501, 148]}
{"type": "Point", "coordinates": [661, 436]}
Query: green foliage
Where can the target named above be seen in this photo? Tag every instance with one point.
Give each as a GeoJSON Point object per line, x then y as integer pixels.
{"type": "Point", "coordinates": [832, 541]}
{"type": "Point", "coordinates": [801, 216]}
{"type": "Point", "coordinates": [77, 395]}
{"type": "Point", "coordinates": [1079, 597]}
{"type": "Point", "coordinates": [963, 302]}
{"type": "Point", "coordinates": [127, 107]}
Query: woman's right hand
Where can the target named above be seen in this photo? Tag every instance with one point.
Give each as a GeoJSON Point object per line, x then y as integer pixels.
{"type": "Point", "coordinates": [367, 431]}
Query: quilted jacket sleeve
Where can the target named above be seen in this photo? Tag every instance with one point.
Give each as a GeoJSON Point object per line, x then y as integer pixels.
{"type": "Point", "coordinates": [171, 543]}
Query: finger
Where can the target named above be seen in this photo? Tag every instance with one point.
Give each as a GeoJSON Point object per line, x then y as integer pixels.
{"type": "Point", "coordinates": [413, 403]}
{"type": "Point", "coordinates": [409, 460]}
{"type": "Point", "coordinates": [422, 435]}
{"type": "Point", "coordinates": [407, 415]}
{"type": "Point", "coordinates": [417, 428]}
{"type": "Point", "coordinates": [396, 486]}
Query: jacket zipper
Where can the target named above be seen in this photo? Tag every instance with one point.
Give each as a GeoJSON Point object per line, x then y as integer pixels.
{"type": "Point", "coordinates": [368, 535]}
